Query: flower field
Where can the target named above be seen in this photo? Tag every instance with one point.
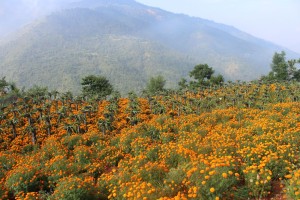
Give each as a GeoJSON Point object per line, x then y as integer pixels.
{"type": "Point", "coordinates": [238, 141]}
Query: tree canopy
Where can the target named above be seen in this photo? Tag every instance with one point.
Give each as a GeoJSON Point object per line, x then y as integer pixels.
{"type": "Point", "coordinates": [202, 73]}
{"type": "Point", "coordinates": [7, 87]}
{"type": "Point", "coordinates": [156, 84]}
{"type": "Point", "coordinates": [203, 76]}
{"type": "Point", "coordinates": [282, 70]}
{"type": "Point", "coordinates": [96, 86]}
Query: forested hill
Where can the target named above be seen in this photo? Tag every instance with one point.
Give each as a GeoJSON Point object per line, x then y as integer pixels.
{"type": "Point", "coordinates": [127, 42]}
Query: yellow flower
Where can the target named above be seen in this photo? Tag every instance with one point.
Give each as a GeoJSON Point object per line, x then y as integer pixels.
{"type": "Point", "coordinates": [212, 190]}
{"type": "Point", "coordinates": [288, 176]}
{"type": "Point", "coordinates": [224, 175]}
{"type": "Point", "coordinates": [211, 173]}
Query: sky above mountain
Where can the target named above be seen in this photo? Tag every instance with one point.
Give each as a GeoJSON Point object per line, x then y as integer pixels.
{"type": "Point", "coordinates": [277, 21]}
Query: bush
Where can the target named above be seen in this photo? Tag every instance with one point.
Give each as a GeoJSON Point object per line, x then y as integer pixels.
{"type": "Point", "coordinates": [76, 188]}
{"type": "Point", "coordinates": [57, 168]}
{"type": "Point", "coordinates": [25, 179]}
{"type": "Point", "coordinates": [293, 185]}
{"type": "Point", "coordinates": [71, 141]}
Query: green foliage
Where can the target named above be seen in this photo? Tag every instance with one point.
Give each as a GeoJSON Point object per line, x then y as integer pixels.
{"type": "Point", "coordinates": [75, 188]}
{"type": "Point", "coordinates": [96, 86]}
{"type": "Point", "coordinates": [293, 186]}
{"type": "Point", "coordinates": [297, 74]}
{"type": "Point", "coordinates": [77, 42]}
{"type": "Point", "coordinates": [7, 87]}
{"type": "Point", "coordinates": [183, 83]}
{"type": "Point", "coordinates": [156, 84]}
{"type": "Point", "coordinates": [203, 74]}
{"type": "Point", "coordinates": [217, 80]}
{"type": "Point", "coordinates": [57, 168]}
{"type": "Point", "coordinates": [8, 92]}
{"type": "Point", "coordinates": [37, 91]}
{"type": "Point", "coordinates": [82, 155]}
{"type": "Point", "coordinates": [258, 183]}
{"type": "Point", "coordinates": [6, 164]}
{"type": "Point", "coordinates": [3, 85]}
{"type": "Point", "coordinates": [153, 173]}
{"type": "Point", "coordinates": [28, 180]}
{"type": "Point", "coordinates": [72, 141]}
{"type": "Point", "coordinates": [283, 70]}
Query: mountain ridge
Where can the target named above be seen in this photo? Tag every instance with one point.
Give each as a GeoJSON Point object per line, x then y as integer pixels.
{"type": "Point", "coordinates": [128, 42]}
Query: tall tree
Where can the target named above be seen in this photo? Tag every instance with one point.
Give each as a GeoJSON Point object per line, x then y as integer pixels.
{"type": "Point", "coordinates": [203, 74]}
{"type": "Point", "coordinates": [156, 84]}
{"type": "Point", "coordinates": [297, 75]}
{"type": "Point", "coordinates": [279, 67]}
{"type": "Point", "coordinates": [96, 86]}
{"type": "Point", "coordinates": [282, 70]}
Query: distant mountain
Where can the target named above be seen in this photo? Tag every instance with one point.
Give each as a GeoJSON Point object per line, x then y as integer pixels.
{"type": "Point", "coordinates": [127, 42]}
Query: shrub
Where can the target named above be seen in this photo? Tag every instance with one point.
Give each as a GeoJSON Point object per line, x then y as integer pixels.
{"type": "Point", "coordinates": [71, 141]}
{"type": "Point", "coordinates": [26, 178]}
{"type": "Point", "coordinates": [76, 188]}
{"type": "Point", "coordinates": [293, 185]}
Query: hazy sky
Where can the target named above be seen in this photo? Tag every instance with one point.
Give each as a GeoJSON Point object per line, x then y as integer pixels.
{"type": "Point", "coordinates": [273, 20]}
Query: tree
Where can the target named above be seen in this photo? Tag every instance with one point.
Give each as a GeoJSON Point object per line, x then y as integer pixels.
{"type": "Point", "coordinates": [8, 92]}
{"type": "Point", "coordinates": [217, 80]}
{"type": "Point", "coordinates": [96, 86]}
{"type": "Point", "coordinates": [3, 86]}
{"type": "Point", "coordinates": [203, 74]}
{"type": "Point", "coordinates": [182, 83]}
{"type": "Point", "coordinates": [6, 87]}
{"type": "Point", "coordinates": [279, 67]}
{"type": "Point", "coordinates": [156, 84]}
{"type": "Point", "coordinates": [297, 75]}
{"type": "Point", "coordinates": [282, 70]}
{"type": "Point", "coordinates": [37, 91]}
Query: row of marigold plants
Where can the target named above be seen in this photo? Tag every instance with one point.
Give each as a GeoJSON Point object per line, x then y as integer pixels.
{"type": "Point", "coordinates": [127, 148]}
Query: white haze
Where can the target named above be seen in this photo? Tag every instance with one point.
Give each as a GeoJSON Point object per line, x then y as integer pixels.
{"type": "Point", "coordinates": [17, 13]}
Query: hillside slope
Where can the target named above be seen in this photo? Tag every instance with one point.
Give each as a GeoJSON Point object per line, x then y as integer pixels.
{"type": "Point", "coordinates": [237, 141]}
{"type": "Point", "coordinates": [127, 42]}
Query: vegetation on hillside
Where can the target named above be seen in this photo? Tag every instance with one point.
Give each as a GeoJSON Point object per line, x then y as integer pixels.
{"type": "Point", "coordinates": [283, 70]}
{"type": "Point", "coordinates": [232, 141]}
{"type": "Point", "coordinates": [127, 43]}
{"type": "Point", "coordinates": [207, 140]}
{"type": "Point", "coordinates": [96, 87]}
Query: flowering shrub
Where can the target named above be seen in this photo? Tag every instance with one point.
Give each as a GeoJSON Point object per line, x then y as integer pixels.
{"type": "Point", "coordinates": [233, 142]}
{"type": "Point", "coordinates": [72, 187]}
{"type": "Point", "coordinates": [293, 185]}
{"type": "Point", "coordinates": [26, 178]}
